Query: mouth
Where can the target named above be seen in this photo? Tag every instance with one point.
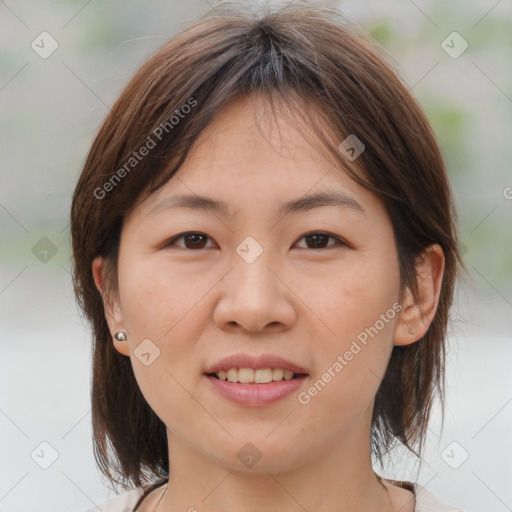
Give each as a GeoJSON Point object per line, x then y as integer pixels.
{"type": "Point", "coordinates": [256, 376]}
{"type": "Point", "coordinates": [255, 380]}
{"type": "Point", "coordinates": [243, 386]}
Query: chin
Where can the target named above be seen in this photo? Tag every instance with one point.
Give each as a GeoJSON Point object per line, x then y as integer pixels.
{"type": "Point", "coordinates": [259, 456]}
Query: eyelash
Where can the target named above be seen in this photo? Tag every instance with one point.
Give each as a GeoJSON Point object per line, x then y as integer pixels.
{"type": "Point", "coordinates": [340, 241]}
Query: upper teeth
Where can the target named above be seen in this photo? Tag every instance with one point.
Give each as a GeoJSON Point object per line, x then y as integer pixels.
{"type": "Point", "coordinates": [248, 375]}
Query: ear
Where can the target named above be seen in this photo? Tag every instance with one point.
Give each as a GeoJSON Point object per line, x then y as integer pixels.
{"type": "Point", "coordinates": [111, 306]}
{"type": "Point", "coordinates": [417, 314]}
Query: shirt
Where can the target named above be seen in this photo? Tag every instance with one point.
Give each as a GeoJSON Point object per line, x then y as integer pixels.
{"type": "Point", "coordinates": [126, 502]}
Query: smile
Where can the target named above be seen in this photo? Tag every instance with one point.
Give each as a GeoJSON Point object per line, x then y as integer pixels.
{"type": "Point", "coordinates": [259, 376]}
{"type": "Point", "coordinates": [255, 394]}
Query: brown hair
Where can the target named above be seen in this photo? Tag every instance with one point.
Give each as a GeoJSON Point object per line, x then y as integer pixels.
{"type": "Point", "coordinates": [316, 62]}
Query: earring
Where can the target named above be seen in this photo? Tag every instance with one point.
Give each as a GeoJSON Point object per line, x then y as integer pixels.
{"type": "Point", "coordinates": [411, 332]}
{"type": "Point", "coordinates": [120, 336]}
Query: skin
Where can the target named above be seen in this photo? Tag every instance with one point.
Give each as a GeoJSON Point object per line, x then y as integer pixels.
{"type": "Point", "coordinates": [303, 303]}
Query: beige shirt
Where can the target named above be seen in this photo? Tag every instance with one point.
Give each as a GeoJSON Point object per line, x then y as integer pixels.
{"type": "Point", "coordinates": [126, 502]}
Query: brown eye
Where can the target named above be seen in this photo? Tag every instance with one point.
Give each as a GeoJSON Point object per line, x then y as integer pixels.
{"type": "Point", "coordinates": [195, 241]}
{"type": "Point", "coordinates": [191, 241]}
{"type": "Point", "coordinates": [319, 240]}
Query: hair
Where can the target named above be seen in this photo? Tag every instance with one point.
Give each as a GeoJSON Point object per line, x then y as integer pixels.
{"type": "Point", "coordinates": [329, 73]}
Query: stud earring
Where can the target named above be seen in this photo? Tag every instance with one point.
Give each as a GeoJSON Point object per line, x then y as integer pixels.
{"type": "Point", "coordinates": [120, 336]}
{"type": "Point", "coordinates": [411, 332]}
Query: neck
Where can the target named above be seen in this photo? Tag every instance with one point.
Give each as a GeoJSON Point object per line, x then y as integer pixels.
{"type": "Point", "coordinates": [340, 478]}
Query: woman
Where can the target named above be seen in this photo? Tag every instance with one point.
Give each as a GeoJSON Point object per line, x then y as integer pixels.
{"type": "Point", "coordinates": [264, 243]}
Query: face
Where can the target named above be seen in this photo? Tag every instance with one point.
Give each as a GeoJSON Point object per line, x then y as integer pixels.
{"type": "Point", "coordinates": [316, 285]}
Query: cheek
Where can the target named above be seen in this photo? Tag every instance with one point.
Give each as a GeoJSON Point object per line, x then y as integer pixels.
{"type": "Point", "coordinates": [169, 309]}
{"type": "Point", "coordinates": [155, 299]}
{"type": "Point", "coordinates": [354, 298]}
{"type": "Point", "coordinates": [360, 310]}
{"type": "Point", "coordinates": [158, 306]}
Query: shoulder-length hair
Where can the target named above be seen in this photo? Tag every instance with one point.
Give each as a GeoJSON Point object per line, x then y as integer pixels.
{"type": "Point", "coordinates": [315, 61]}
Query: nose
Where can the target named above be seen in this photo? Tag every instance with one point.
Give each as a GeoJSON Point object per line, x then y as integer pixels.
{"type": "Point", "coordinates": [255, 297]}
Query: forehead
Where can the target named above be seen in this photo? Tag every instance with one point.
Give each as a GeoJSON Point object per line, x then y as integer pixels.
{"type": "Point", "coordinates": [252, 127]}
{"type": "Point", "coordinates": [249, 157]}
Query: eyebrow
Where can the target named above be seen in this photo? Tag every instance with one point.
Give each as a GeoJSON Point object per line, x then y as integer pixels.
{"type": "Point", "coordinates": [302, 204]}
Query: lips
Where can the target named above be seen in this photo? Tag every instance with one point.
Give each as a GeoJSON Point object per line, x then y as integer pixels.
{"type": "Point", "coordinates": [255, 394]}
{"type": "Point", "coordinates": [262, 361]}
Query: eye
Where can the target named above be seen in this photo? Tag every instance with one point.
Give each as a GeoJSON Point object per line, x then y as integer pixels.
{"type": "Point", "coordinates": [318, 240]}
{"type": "Point", "coordinates": [192, 240]}
{"type": "Point", "coordinates": [196, 240]}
